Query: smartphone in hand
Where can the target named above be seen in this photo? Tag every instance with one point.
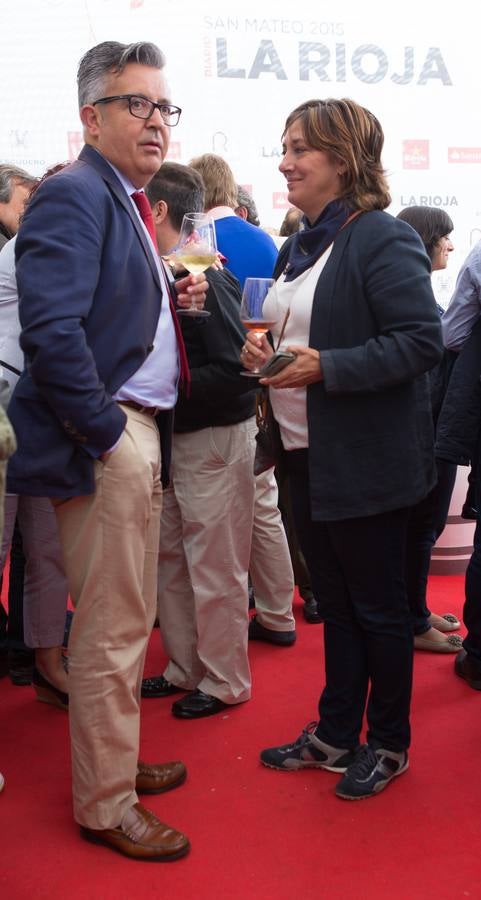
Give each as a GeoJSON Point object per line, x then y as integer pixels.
{"type": "Point", "coordinates": [278, 361]}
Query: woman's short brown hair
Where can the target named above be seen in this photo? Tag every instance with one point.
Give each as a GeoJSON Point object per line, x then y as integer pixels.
{"type": "Point", "coordinates": [431, 224]}
{"type": "Point", "coordinates": [218, 178]}
{"type": "Point", "coordinates": [352, 135]}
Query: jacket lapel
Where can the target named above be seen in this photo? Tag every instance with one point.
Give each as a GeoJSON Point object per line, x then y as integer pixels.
{"type": "Point", "coordinates": [93, 158]}
{"type": "Point", "coordinates": [319, 335]}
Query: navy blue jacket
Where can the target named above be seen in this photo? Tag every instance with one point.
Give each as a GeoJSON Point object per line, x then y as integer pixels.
{"type": "Point", "coordinates": [89, 303]}
{"type": "Point", "coordinates": [374, 321]}
{"type": "Point", "coordinates": [459, 422]}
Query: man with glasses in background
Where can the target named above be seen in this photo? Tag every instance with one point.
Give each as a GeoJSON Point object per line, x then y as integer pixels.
{"type": "Point", "coordinates": [105, 355]}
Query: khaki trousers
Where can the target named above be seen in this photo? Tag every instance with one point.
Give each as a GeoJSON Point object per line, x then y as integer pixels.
{"type": "Point", "coordinates": [270, 564]}
{"type": "Point", "coordinates": [205, 544]}
{"type": "Point", "coordinates": [110, 545]}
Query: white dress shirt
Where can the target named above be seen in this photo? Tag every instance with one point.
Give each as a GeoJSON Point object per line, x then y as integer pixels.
{"type": "Point", "coordinates": [155, 383]}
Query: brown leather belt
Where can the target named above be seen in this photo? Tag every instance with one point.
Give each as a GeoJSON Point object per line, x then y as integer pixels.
{"type": "Point", "coordinates": [148, 410]}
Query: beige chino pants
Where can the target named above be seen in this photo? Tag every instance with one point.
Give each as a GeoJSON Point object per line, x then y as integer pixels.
{"type": "Point", "coordinates": [110, 546]}
{"type": "Point", "coordinates": [205, 542]}
{"type": "Point", "coordinates": [270, 563]}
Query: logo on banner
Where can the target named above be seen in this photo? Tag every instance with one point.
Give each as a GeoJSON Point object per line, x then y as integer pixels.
{"type": "Point", "coordinates": [19, 138]}
{"type": "Point", "coordinates": [280, 201]}
{"type": "Point", "coordinates": [75, 144]}
{"type": "Point", "coordinates": [368, 63]}
{"type": "Point", "coordinates": [220, 143]}
{"type": "Point", "coordinates": [415, 154]}
{"type": "Point", "coordinates": [429, 200]}
{"type": "Point", "coordinates": [464, 154]}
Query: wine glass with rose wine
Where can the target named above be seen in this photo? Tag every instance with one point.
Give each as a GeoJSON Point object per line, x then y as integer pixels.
{"type": "Point", "coordinates": [251, 312]}
{"type": "Point", "coordinates": [196, 251]}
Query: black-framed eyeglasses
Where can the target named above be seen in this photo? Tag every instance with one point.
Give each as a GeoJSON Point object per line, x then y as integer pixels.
{"type": "Point", "coordinates": [142, 108]}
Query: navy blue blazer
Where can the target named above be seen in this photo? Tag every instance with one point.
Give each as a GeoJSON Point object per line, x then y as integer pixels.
{"type": "Point", "coordinates": [89, 303]}
{"type": "Point", "coordinates": [375, 323]}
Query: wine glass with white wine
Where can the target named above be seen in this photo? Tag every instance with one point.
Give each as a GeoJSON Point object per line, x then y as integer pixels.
{"type": "Point", "coordinates": [251, 311]}
{"type": "Point", "coordinates": [196, 251]}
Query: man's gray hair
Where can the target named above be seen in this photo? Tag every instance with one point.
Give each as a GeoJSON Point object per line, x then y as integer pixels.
{"type": "Point", "coordinates": [109, 58]}
{"type": "Point", "coordinates": [10, 176]}
{"type": "Point", "coordinates": [245, 199]}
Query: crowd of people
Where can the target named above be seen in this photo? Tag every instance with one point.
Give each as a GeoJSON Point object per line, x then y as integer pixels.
{"type": "Point", "coordinates": [131, 438]}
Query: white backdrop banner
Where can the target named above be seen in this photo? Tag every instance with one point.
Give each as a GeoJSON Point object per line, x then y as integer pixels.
{"type": "Point", "coordinates": [237, 69]}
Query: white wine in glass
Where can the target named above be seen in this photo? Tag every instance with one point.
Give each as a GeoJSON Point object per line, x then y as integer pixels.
{"type": "Point", "coordinates": [196, 251]}
{"type": "Point", "coordinates": [251, 311]}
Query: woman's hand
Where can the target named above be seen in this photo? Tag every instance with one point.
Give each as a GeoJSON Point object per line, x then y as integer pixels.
{"type": "Point", "coordinates": [256, 350]}
{"type": "Point", "coordinates": [305, 369]}
{"type": "Point", "coordinates": [193, 286]}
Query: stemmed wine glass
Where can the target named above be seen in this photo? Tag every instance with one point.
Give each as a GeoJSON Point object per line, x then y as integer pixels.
{"type": "Point", "coordinates": [251, 311]}
{"type": "Point", "coordinates": [196, 251]}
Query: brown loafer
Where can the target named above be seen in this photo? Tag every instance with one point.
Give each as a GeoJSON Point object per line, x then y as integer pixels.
{"type": "Point", "coordinates": [157, 779]}
{"type": "Point", "coordinates": [140, 835]}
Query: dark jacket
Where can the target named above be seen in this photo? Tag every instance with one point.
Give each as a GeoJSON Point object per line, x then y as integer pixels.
{"type": "Point", "coordinates": [374, 321]}
{"type": "Point", "coordinates": [460, 417]}
{"type": "Point", "coordinates": [219, 394]}
{"type": "Point", "coordinates": [89, 303]}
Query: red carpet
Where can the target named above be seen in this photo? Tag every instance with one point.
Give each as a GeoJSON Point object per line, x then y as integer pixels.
{"type": "Point", "coordinates": [257, 833]}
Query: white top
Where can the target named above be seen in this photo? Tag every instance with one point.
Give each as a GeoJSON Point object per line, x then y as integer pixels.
{"type": "Point", "coordinates": [10, 351]}
{"type": "Point", "coordinates": [289, 404]}
{"type": "Point", "coordinates": [220, 212]}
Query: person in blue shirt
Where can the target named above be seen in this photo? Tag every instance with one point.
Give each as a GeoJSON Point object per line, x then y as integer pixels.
{"type": "Point", "coordinates": [250, 252]}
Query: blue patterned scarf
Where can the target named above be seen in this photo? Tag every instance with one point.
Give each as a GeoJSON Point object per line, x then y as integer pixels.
{"type": "Point", "coordinates": [308, 245]}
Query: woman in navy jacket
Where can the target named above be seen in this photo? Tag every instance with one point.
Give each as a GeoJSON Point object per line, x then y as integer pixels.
{"type": "Point", "coordinates": [356, 427]}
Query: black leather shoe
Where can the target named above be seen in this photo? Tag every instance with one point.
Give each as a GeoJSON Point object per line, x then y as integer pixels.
{"type": "Point", "coordinates": [196, 705]}
{"type": "Point", "coordinates": [258, 632]}
{"type": "Point", "coordinates": [158, 686]}
{"type": "Point", "coordinates": [467, 668]}
{"type": "Point", "coordinates": [3, 663]}
{"type": "Point", "coordinates": [20, 666]}
{"type": "Point", "coordinates": [310, 611]}
{"type": "Point", "coordinates": [469, 512]}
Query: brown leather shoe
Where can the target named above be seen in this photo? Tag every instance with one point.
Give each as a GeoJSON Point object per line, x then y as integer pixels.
{"type": "Point", "coordinates": [140, 835]}
{"type": "Point", "coordinates": [157, 779]}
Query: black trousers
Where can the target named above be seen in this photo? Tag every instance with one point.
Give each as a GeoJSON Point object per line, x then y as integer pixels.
{"type": "Point", "coordinates": [472, 604]}
{"type": "Point", "coordinates": [357, 570]}
{"type": "Point", "coordinates": [302, 577]}
{"type": "Point", "coordinates": [426, 522]}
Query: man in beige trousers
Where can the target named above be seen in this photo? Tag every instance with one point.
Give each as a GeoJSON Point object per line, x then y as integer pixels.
{"type": "Point", "coordinates": [105, 356]}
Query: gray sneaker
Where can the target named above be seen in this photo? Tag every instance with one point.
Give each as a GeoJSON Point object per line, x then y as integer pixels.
{"type": "Point", "coordinates": [371, 772]}
{"type": "Point", "coordinates": [308, 752]}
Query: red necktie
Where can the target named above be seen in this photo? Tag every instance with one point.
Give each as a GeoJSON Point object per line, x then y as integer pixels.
{"type": "Point", "coordinates": [145, 211]}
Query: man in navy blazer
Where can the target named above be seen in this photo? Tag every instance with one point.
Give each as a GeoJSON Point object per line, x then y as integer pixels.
{"type": "Point", "coordinates": [103, 359]}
